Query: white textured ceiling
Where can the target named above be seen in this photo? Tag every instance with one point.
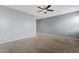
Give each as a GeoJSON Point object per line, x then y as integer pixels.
{"type": "Point", "coordinates": [58, 10]}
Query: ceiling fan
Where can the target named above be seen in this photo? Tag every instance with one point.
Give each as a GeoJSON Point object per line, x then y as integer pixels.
{"type": "Point", "coordinates": [45, 9]}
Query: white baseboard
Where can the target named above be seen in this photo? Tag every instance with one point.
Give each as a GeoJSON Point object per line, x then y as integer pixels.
{"type": "Point", "coordinates": [51, 35]}
{"type": "Point", "coordinates": [18, 38]}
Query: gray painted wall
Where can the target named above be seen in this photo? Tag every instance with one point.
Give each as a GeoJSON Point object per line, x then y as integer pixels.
{"type": "Point", "coordinates": [67, 24]}
{"type": "Point", "coordinates": [15, 25]}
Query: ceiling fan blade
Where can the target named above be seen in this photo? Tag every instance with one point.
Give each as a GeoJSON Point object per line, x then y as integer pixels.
{"type": "Point", "coordinates": [50, 10]}
{"type": "Point", "coordinates": [48, 6]}
{"type": "Point", "coordinates": [40, 7]}
{"type": "Point", "coordinates": [39, 11]}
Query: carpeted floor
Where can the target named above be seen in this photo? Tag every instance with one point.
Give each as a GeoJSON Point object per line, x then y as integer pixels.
{"type": "Point", "coordinates": [42, 43]}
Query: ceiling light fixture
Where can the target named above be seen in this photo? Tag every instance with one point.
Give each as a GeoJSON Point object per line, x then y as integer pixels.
{"type": "Point", "coordinates": [45, 9]}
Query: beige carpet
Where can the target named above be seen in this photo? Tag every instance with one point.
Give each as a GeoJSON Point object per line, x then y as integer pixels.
{"type": "Point", "coordinates": [42, 43]}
